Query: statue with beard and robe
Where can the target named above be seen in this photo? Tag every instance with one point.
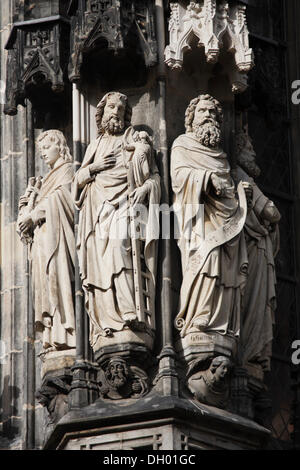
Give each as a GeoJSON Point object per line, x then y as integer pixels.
{"type": "Point", "coordinates": [262, 238]}
{"type": "Point", "coordinates": [118, 173]}
{"type": "Point", "coordinates": [46, 224]}
{"type": "Point", "coordinates": [211, 215]}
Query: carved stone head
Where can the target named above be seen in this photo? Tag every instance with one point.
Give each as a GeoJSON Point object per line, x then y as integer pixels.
{"type": "Point", "coordinates": [203, 118]}
{"type": "Point", "coordinates": [116, 373]}
{"type": "Point", "coordinates": [246, 154]}
{"type": "Point", "coordinates": [53, 145]}
{"type": "Point", "coordinates": [219, 368]}
{"type": "Point", "coordinates": [113, 113]}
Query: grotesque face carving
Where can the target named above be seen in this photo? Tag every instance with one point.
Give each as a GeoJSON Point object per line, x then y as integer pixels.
{"type": "Point", "coordinates": [113, 115]}
{"type": "Point", "coordinates": [116, 373]}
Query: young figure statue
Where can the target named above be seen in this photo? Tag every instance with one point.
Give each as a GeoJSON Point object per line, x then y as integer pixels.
{"type": "Point", "coordinates": [46, 224]}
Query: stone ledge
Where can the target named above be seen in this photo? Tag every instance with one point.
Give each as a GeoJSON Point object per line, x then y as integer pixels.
{"type": "Point", "coordinates": [229, 430]}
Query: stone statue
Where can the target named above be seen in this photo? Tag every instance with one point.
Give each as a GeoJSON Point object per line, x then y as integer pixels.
{"type": "Point", "coordinates": [212, 245]}
{"type": "Point", "coordinates": [46, 224]}
{"type": "Point", "coordinates": [211, 386]}
{"type": "Point", "coordinates": [117, 174]}
{"type": "Point", "coordinates": [262, 237]}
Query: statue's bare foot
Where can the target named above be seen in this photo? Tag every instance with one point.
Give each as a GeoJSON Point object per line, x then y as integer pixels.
{"type": "Point", "coordinates": [201, 323]}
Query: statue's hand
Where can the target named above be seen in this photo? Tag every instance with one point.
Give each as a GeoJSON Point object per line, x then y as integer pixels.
{"type": "Point", "coordinates": [219, 185]}
{"type": "Point", "coordinates": [108, 161]}
{"type": "Point", "coordinates": [26, 224]}
{"type": "Point", "coordinates": [138, 195]}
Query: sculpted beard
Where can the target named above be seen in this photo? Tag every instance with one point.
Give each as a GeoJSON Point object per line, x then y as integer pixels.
{"type": "Point", "coordinates": [117, 379]}
{"type": "Point", "coordinates": [113, 125]}
{"type": "Point", "coordinates": [208, 133]}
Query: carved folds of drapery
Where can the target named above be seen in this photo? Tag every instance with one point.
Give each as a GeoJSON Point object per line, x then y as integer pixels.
{"type": "Point", "coordinates": [112, 24]}
{"type": "Point", "coordinates": [216, 26]}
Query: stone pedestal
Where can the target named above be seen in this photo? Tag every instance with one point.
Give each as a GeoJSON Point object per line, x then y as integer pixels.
{"type": "Point", "coordinates": [57, 360]}
{"type": "Point", "coordinates": [203, 345]}
{"type": "Point", "coordinates": [155, 423]}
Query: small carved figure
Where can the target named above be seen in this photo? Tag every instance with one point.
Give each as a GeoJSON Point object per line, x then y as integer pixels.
{"type": "Point", "coordinates": [121, 380]}
{"type": "Point", "coordinates": [116, 374]}
{"type": "Point", "coordinates": [46, 224]}
{"type": "Point", "coordinates": [211, 386]}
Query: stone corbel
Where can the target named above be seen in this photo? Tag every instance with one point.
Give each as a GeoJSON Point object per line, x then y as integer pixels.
{"type": "Point", "coordinates": [53, 395]}
{"type": "Point", "coordinates": [36, 57]}
{"type": "Point", "coordinates": [216, 26]}
{"type": "Point", "coordinates": [120, 379]}
{"type": "Point", "coordinates": [210, 385]}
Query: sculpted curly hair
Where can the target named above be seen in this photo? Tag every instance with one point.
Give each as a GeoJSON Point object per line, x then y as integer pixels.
{"type": "Point", "coordinates": [100, 109]}
{"type": "Point", "coordinates": [59, 139]}
{"type": "Point", "coordinates": [190, 110]}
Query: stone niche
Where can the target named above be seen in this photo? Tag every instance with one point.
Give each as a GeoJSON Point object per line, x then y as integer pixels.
{"type": "Point", "coordinates": [38, 52]}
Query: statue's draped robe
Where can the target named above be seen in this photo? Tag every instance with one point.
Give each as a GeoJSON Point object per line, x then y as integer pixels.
{"type": "Point", "coordinates": [104, 246]}
{"type": "Point", "coordinates": [52, 256]}
{"type": "Point", "coordinates": [259, 302]}
{"type": "Point", "coordinates": [214, 257]}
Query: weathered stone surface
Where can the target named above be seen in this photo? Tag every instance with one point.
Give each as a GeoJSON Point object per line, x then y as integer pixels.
{"type": "Point", "coordinates": [46, 224]}
{"type": "Point", "coordinates": [122, 417]}
{"type": "Point", "coordinates": [168, 423]}
{"type": "Point", "coordinates": [117, 271]}
{"type": "Point", "coordinates": [262, 236]}
{"type": "Point", "coordinates": [212, 281]}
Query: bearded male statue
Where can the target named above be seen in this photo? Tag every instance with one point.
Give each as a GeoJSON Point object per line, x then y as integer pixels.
{"type": "Point", "coordinates": [212, 245]}
{"type": "Point", "coordinates": [262, 237]}
{"type": "Point", "coordinates": [118, 171]}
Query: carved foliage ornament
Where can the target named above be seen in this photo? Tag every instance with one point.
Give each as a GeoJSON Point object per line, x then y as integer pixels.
{"type": "Point", "coordinates": [111, 23]}
{"type": "Point", "coordinates": [215, 24]}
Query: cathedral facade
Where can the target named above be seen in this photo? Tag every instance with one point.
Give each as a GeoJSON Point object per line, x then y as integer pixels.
{"type": "Point", "coordinates": [150, 245]}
